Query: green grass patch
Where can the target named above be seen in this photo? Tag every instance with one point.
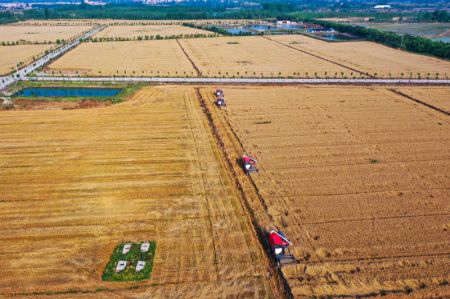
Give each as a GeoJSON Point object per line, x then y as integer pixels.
{"type": "Point", "coordinates": [374, 161]}
{"type": "Point", "coordinates": [132, 258]}
{"type": "Point", "coordinates": [233, 43]}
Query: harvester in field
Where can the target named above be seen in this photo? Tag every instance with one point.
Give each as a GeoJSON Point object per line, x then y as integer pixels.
{"type": "Point", "coordinates": [219, 93]}
{"type": "Point", "coordinates": [279, 245]}
{"type": "Point", "coordinates": [249, 164]}
{"type": "Point", "coordinates": [220, 102]}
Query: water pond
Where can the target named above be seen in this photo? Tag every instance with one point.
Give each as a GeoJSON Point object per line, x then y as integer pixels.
{"type": "Point", "coordinates": [68, 92]}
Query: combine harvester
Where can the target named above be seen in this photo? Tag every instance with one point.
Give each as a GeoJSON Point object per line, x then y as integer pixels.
{"type": "Point", "coordinates": [218, 93]}
{"type": "Point", "coordinates": [220, 101]}
{"type": "Point", "coordinates": [248, 164]}
{"type": "Point", "coordinates": [279, 244]}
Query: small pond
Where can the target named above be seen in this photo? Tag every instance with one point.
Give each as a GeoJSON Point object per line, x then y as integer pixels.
{"type": "Point", "coordinates": [266, 28]}
{"type": "Point", "coordinates": [337, 37]}
{"type": "Point", "coordinates": [68, 92]}
{"type": "Point", "coordinates": [445, 39]}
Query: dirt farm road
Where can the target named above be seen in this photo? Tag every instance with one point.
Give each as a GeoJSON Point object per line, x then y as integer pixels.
{"type": "Point", "coordinates": [269, 81]}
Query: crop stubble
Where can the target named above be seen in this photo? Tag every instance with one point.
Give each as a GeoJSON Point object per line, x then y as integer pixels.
{"type": "Point", "coordinates": [39, 33]}
{"type": "Point", "coordinates": [149, 58]}
{"type": "Point", "coordinates": [251, 57]}
{"type": "Point", "coordinates": [143, 30]}
{"type": "Point", "coordinates": [358, 178]}
{"type": "Point", "coordinates": [436, 96]}
{"type": "Point", "coordinates": [75, 183]}
{"type": "Point", "coordinates": [10, 56]}
{"type": "Point", "coordinates": [370, 57]}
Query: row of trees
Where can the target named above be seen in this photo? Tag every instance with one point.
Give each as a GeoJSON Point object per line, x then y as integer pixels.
{"type": "Point", "coordinates": [26, 42]}
{"type": "Point", "coordinates": [151, 37]}
{"type": "Point", "coordinates": [406, 42]}
{"type": "Point", "coordinates": [250, 74]}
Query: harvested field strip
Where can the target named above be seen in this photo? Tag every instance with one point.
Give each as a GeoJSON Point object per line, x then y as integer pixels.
{"type": "Point", "coordinates": [248, 191]}
{"type": "Point", "coordinates": [64, 215]}
{"type": "Point", "coordinates": [357, 178]}
{"type": "Point", "coordinates": [322, 58]}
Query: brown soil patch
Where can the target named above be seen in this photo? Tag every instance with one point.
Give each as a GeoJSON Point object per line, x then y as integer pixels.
{"type": "Point", "coordinates": [25, 104]}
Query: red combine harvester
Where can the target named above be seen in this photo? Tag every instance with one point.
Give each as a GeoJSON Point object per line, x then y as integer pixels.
{"type": "Point", "coordinates": [279, 244]}
{"type": "Point", "coordinates": [249, 164]}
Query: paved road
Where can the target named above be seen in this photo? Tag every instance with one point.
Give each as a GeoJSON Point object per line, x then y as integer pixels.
{"type": "Point", "coordinates": [22, 73]}
{"type": "Point", "coordinates": [242, 81]}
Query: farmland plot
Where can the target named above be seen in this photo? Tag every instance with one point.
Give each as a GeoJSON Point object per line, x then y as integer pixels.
{"type": "Point", "coordinates": [370, 57]}
{"type": "Point", "coordinates": [435, 96]}
{"type": "Point", "coordinates": [39, 33]}
{"type": "Point", "coordinates": [77, 183]}
{"type": "Point", "coordinates": [148, 30]}
{"type": "Point", "coordinates": [10, 56]}
{"type": "Point", "coordinates": [358, 178]}
{"type": "Point", "coordinates": [254, 57]}
{"type": "Point", "coordinates": [148, 58]}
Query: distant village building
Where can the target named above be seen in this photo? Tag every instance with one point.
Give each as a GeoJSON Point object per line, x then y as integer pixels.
{"type": "Point", "coordinates": [94, 3]}
{"type": "Point", "coordinates": [382, 6]}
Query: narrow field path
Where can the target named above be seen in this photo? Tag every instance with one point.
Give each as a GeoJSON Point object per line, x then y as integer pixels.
{"type": "Point", "coordinates": [199, 73]}
{"type": "Point", "coordinates": [420, 102]}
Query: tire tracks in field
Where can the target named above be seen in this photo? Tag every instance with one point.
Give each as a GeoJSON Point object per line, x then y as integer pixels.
{"type": "Point", "coordinates": [321, 58]}
{"type": "Point", "coordinates": [249, 193]}
{"type": "Point", "coordinates": [197, 70]}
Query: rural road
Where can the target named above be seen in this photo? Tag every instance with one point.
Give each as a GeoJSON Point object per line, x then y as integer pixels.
{"type": "Point", "coordinates": [22, 73]}
{"type": "Point", "coordinates": [242, 80]}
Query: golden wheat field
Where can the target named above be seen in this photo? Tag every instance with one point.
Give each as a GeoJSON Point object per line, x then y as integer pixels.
{"type": "Point", "coordinates": [148, 30]}
{"type": "Point", "coordinates": [253, 57]}
{"type": "Point", "coordinates": [358, 178]}
{"type": "Point", "coordinates": [39, 33]}
{"type": "Point", "coordinates": [368, 57]}
{"type": "Point", "coordinates": [76, 182]}
{"type": "Point", "coordinates": [148, 58]}
{"type": "Point", "coordinates": [10, 56]}
{"type": "Point", "coordinates": [435, 96]}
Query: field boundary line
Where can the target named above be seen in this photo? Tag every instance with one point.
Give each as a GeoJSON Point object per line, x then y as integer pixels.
{"type": "Point", "coordinates": [419, 101]}
{"type": "Point", "coordinates": [199, 73]}
{"type": "Point", "coordinates": [320, 57]}
{"type": "Point", "coordinates": [280, 282]}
